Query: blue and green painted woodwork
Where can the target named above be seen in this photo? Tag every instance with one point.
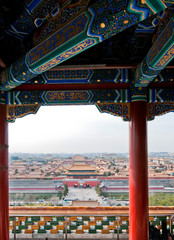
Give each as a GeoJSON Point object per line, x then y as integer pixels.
{"type": "Point", "coordinates": [115, 102]}
{"type": "Point", "coordinates": [158, 109]}
{"type": "Point", "coordinates": [68, 97]}
{"type": "Point", "coordinates": [19, 111]}
{"type": "Point", "coordinates": [165, 76]}
{"type": "Point", "coordinates": [48, 14]}
{"type": "Point", "coordinates": [119, 110]}
{"type": "Point", "coordinates": [69, 11]}
{"type": "Point", "coordinates": [22, 103]}
{"type": "Point", "coordinates": [150, 24]}
{"type": "Point", "coordinates": [62, 12]}
{"type": "Point", "coordinates": [82, 76]}
{"type": "Point", "coordinates": [100, 21]}
{"type": "Point", "coordinates": [138, 93]}
{"type": "Point", "coordinates": [161, 95]}
{"type": "Point", "coordinates": [161, 101]}
{"type": "Point", "coordinates": [161, 53]}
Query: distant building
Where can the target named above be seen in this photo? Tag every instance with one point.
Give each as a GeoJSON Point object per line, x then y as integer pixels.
{"type": "Point", "coordinates": [59, 188]}
{"type": "Point", "coordinates": [78, 160]}
{"type": "Point", "coordinates": [82, 171]}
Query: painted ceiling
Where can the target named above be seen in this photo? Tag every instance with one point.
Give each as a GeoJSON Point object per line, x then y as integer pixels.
{"type": "Point", "coordinates": [103, 52]}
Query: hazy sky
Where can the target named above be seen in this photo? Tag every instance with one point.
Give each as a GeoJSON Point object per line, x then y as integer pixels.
{"type": "Point", "coordinates": [82, 129]}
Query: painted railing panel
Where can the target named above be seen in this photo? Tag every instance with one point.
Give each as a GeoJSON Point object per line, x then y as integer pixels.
{"type": "Point", "coordinates": [80, 224]}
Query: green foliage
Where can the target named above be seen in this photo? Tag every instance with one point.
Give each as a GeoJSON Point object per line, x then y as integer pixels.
{"type": "Point", "coordinates": [57, 174]}
{"type": "Point", "coordinates": [98, 189]}
{"type": "Point", "coordinates": [157, 171]}
{"type": "Point", "coordinates": [32, 197]}
{"type": "Point", "coordinates": [65, 190]}
{"type": "Point", "coordinates": [107, 174]}
{"type": "Point", "coordinates": [118, 196]}
{"type": "Point", "coordinates": [161, 199]}
{"type": "Point", "coordinates": [122, 197]}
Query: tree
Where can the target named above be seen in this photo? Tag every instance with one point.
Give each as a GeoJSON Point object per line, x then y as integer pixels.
{"type": "Point", "coordinates": [65, 190]}
{"type": "Point", "coordinates": [122, 198]}
{"type": "Point", "coordinates": [21, 196]}
{"type": "Point", "coordinates": [157, 171]}
{"type": "Point", "coordinates": [57, 174]}
{"type": "Point", "coordinates": [98, 189]}
{"type": "Point", "coordinates": [161, 199]}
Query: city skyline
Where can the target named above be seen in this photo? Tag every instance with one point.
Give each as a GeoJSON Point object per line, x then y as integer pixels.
{"type": "Point", "coordinates": [83, 129]}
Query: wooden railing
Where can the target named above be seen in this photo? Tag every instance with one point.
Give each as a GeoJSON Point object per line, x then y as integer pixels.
{"type": "Point", "coordinates": [81, 220]}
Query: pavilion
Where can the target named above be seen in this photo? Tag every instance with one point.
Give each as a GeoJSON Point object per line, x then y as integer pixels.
{"type": "Point", "coordinates": [81, 171]}
{"type": "Point", "coordinates": [117, 55]}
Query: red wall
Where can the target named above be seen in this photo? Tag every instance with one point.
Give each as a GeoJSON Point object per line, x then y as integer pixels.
{"type": "Point", "coordinates": [72, 183]}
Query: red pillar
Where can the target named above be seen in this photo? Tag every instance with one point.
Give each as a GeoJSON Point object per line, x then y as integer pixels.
{"type": "Point", "coordinates": [138, 173]}
{"type": "Point", "coordinates": [4, 199]}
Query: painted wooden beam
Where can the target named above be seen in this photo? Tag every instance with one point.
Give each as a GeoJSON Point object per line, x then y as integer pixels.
{"type": "Point", "coordinates": [60, 97]}
{"type": "Point", "coordinates": [65, 87]}
{"type": "Point", "coordinates": [85, 211]}
{"type": "Point", "coordinates": [102, 20]}
{"type": "Point", "coordinates": [116, 109]}
{"type": "Point", "coordinates": [161, 54]}
{"type": "Point", "coordinates": [165, 76]}
{"type": "Point", "coordinates": [74, 76]}
{"type": "Point", "coordinates": [63, 11]}
{"type": "Point", "coordinates": [42, 14]}
{"type": "Point", "coordinates": [19, 111]}
{"type": "Point", "coordinates": [158, 109]}
{"type": "Point", "coordinates": [161, 95]}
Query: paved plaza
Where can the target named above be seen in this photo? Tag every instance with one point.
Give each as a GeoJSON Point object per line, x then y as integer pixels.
{"type": "Point", "coordinates": [83, 194]}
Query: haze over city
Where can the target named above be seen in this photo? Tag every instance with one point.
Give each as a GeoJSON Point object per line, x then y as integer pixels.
{"type": "Point", "coordinates": [82, 129]}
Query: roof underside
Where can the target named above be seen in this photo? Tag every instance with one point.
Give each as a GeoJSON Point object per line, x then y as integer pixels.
{"type": "Point", "coordinates": [102, 52]}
